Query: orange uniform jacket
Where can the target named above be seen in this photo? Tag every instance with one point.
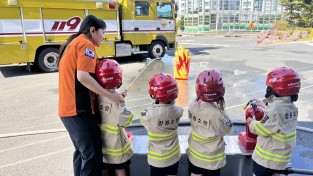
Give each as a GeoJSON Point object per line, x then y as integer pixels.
{"type": "Point", "coordinates": [74, 98]}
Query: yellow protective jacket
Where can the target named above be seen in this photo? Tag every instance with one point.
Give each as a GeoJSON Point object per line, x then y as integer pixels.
{"type": "Point", "coordinates": [116, 147]}
{"type": "Point", "coordinates": [161, 122]}
{"type": "Point", "coordinates": [208, 127]}
{"type": "Point", "coordinates": [276, 134]}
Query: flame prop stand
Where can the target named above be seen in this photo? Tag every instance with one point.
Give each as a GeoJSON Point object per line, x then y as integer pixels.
{"type": "Point", "coordinates": [182, 63]}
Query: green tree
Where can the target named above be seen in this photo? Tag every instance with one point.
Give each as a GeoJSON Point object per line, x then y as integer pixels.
{"type": "Point", "coordinates": [181, 22]}
{"type": "Point", "coordinates": [298, 13]}
{"type": "Point", "coordinates": [307, 16]}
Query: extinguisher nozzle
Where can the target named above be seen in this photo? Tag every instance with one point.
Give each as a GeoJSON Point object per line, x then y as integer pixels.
{"type": "Point", "coordinates": [245, 106]}
{"type": "Point", "coordinates": [128, 88]}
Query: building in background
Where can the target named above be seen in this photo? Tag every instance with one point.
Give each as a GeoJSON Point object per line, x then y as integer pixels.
{"type": "Point", "coordinates": [206, 15]}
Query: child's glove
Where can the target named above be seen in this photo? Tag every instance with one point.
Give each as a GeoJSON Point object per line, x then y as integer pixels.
{"type": "Point", "coordinates": [257, 103]}
{"type": "Point", "coordinates": [260, 103]}
{"type": "Point", "coordinates": [249, 120]}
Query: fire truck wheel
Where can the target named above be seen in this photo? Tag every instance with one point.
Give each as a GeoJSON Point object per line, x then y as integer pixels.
{"type": "Point", "coordinates": [156, 49]}
{"type": "Point", "coordinates": [48, 60]}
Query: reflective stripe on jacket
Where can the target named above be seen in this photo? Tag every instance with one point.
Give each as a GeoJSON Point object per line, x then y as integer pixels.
{"type": "Point", "coordinates": [276, 134]}
{"type": "Point", "coordinates": [161, 122]}
{"type": "Point", "coordinates": [116, 147]}
{"type": "Point", "coordinates": [208, 126]}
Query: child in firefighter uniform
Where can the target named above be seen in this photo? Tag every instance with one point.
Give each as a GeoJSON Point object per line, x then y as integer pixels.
{"type": "Point", "coordinates": [161, 122]}
{"type": "Point", "coordinates": [116, 147]}
{"type": "Point", "coordinates": [209, 124]}
{"type": "Point", "coordinates": [277, 130]}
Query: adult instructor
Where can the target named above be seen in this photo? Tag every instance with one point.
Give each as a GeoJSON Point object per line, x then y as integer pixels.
{"type": "Point", "coordinates": [77, 89]}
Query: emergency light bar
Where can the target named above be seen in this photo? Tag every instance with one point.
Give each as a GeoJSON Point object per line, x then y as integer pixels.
{"type": "Point", "coordinates": [111, 5]}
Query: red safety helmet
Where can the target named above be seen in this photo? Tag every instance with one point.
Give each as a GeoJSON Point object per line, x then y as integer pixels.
{"type": "Point", "coordinates": [209, 86]}
{"type": "Point", "coordinates": [163, 88]}
{"type": "Point", "coordinates": [109, 73]}
{"type": "Point", "coordinates": [284, 81]}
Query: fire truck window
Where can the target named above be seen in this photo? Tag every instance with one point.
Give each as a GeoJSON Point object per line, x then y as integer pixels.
{"type": "Point", "coordinates": [142, 8]}
{"type": "Point", "coordinates": [164, 10]}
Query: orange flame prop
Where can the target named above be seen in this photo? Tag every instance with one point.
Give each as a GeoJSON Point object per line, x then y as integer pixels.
{"type": "Point", "coordinates": [182, 63]}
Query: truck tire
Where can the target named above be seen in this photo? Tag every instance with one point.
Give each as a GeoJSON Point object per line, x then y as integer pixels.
{"type": "Point", "coordinates": [48, 60]}
{"type": "Point", "coordinates": [156, 49]}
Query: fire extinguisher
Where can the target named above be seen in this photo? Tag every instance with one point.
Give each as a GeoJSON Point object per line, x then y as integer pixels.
{"type": "Point", "coordinates": [253, 111]}
{"type": "Point", "coordinates": [248, 139]}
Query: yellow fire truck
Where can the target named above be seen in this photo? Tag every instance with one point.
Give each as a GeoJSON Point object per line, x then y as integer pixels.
{"type": "Point", "coordinates": [32, 31]}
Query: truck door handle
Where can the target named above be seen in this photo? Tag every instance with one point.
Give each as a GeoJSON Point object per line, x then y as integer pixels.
{"type": "Point", "coordinates": [158, 29]}
{"type": "Point", "coordinates": [136, 29]}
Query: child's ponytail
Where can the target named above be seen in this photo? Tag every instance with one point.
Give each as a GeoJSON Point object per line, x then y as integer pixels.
{"type": "Point", "coordinates": [221, 104]}
{"type": "Point", "coordinates": [294, 97]}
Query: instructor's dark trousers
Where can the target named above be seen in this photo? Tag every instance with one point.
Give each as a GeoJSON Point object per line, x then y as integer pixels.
{"type": "Point", "coordinates": [86, 137]}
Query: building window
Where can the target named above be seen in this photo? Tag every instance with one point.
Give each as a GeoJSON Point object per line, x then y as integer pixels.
{"type": "Point", "coordinates": [142, 8]}
{"type": "Point", "coordinates": [164, 10]}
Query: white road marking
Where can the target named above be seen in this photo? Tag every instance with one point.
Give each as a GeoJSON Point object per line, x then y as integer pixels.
{"type": "Point", "coordinates": [307, 71]}
{"type": "Point", "coordinates": [299, 42]}
{"type": "Point", "coordinates": [137, 99]}
{"type": "Point", "coordinates": [207, 44]}
{"type": "Point", "coordinates": [33, 118]}
{"type": "Point", "coordinates": [307, 79]}
{"type": "Point", "coordinates": [245, 94]}
{"type": "Point", "coordinates": [306, 87]}
{"type": "Point", "coordinates": [239, 72]}
{"type": "Point", "coordinates": [204, 64]}
{"type": "Point", "coordinates": [139, 105]}
{"type": "Point", "coordinates": [58, 122]}
{"type": "Point", "coordinates": [311, 44]}
{"type": "Point", "coordinates": [36, 157]}
{"type": "Point", "coordinates": [230, 107]}
{"type": "Point", "coordinates": [283, 43]}
{"type": "Point", "coordinates": [34, 143]}
{"type": "Point", "coordinates": [32, 132]}
{"type": "Point", "coordinates": [234, 85]}
{"type": "Point", "coordinates": [302, 68]}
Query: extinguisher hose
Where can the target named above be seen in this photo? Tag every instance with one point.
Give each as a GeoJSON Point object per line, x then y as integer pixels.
{"type": "Point", "coordinates": [131, 84]}
{"type": "Point", "coordinates": [254, 106]}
